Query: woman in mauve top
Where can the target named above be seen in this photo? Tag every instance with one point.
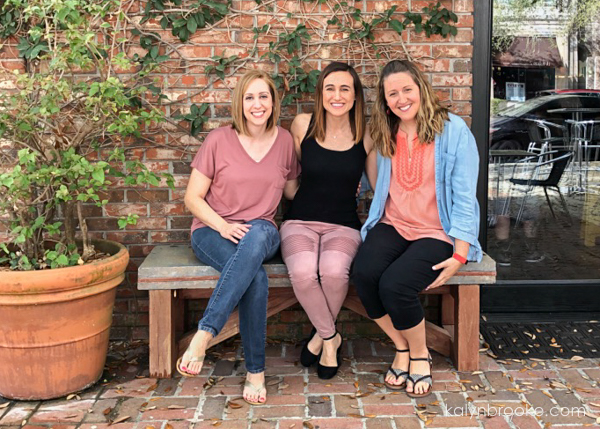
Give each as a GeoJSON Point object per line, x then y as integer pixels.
{"type": "Point", "coordinates": [237, 181]}
{"type": "Point", "coordinates": [321, 233]}
{"type": "Point", "coordinates": [424, 219]}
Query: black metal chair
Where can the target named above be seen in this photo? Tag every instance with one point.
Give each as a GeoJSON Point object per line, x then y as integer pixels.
{"type": "Point", "coordinates": [559, 160]}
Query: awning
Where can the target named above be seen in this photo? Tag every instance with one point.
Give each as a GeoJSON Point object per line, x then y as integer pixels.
{"type": "Point", "coordinates": [530, 52]}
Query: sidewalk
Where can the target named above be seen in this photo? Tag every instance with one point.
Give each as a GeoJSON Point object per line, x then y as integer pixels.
{"type": "Point", "coordinates": [559, 392]}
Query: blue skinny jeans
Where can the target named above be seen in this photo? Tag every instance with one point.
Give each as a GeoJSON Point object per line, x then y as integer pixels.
{"type": "Point", "coordinates": [243, 283]}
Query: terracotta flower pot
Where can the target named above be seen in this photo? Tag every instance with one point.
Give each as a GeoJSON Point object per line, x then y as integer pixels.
{"type": "Point", "coordinates": [55, 325]}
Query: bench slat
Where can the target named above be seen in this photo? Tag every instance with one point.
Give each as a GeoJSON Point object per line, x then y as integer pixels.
{"type": "Point", "coordinates": [176, 267]}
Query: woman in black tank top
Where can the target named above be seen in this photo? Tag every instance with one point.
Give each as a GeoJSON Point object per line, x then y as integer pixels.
{"type": "Point", "coordinates": [320, 235]}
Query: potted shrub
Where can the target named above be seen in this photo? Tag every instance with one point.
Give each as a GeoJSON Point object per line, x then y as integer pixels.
{"type": "Point", "coordinates": [67, 119]}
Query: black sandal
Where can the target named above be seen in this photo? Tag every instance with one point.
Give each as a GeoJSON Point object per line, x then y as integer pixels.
{"type": "Point", "coordinates": [396, 373]}
{"type": "Point", "coordinates": [420, 378]}
{"type": "Point", "coordinates": [327, 372]}
{"type": "Point", "coordinates": [308, 358]}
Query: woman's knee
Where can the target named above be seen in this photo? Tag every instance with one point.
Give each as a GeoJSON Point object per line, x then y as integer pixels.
{"type": "Point", "coordinates": [262, 237]}
{"type": "Point", "coordinates": [362, 273]}
{"type": "Point", "coordinates": [334, 268]}
{"type": "Point", "coordinates": [396, 292]}
{"type": "Point", "coordinates": [303, 276]}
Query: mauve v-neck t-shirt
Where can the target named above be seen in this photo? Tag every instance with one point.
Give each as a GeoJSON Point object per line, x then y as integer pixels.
{"type": "Point", "coordinates": [243, 189]}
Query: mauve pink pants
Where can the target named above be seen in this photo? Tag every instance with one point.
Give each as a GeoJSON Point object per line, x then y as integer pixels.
{"type": "Point", "coordinates": [318, 257]}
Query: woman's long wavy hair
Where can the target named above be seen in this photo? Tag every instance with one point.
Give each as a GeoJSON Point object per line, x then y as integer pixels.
{"type": "Point", "coordinates": [357, 113]}
{"type": "Point", "coordinates": [384, 124]}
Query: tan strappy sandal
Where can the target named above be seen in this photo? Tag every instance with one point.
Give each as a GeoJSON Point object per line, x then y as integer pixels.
{"type": "Point", "coordinates": [255, 389]}
{"type": "Point", "coordinates": [183, 372]}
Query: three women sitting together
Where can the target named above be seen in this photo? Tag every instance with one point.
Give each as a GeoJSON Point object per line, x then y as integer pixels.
{"type": "Point", "coordinates": [422, 163]}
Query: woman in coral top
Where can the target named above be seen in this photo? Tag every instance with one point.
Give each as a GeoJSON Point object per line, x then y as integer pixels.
{"type": "Point", "coordinates": [237, 180]}
{"type": "Point", "coordinates": [424, 219]}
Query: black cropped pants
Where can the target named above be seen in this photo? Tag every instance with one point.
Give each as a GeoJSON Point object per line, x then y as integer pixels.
{"type": "Point", "coordinates": [390, 271]}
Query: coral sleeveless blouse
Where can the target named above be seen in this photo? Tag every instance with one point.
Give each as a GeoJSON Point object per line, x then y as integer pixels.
{"type": "Point", "coordinates": [411, 206]}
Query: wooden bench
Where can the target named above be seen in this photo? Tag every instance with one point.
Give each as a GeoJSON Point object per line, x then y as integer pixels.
{"type": "Point", "coordinates": [172, 274]}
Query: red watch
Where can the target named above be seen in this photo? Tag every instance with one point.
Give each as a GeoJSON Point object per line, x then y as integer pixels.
{"type": "Point", "coordinates": [460, 259]}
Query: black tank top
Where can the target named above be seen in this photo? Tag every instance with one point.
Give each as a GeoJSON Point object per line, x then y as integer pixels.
{"type": "Point", "coordinates": [328, 184]}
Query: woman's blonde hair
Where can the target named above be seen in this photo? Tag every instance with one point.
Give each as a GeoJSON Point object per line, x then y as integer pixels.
{"type": "Point", "coordinates": [357, 112]}
{"type": "Point", "coordinates": [237, 103]}
{"type": "Point", "coordinates": [384, 123]}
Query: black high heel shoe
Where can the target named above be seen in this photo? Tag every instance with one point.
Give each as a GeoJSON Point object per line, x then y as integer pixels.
{"type": "Point", "coordinates": [327, 372]}
{"type": "Point", "coordinates": [308, 358]}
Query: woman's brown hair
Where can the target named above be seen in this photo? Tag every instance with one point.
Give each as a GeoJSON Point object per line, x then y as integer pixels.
{"type": "Point", "coordinates": [237, 103]}
{"type": "Point", "coordinates": [431, 116]}
{"type": "Point", "coordinates": [357, 112]}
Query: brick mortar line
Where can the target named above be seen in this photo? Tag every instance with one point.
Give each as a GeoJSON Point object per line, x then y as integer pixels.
{"type": "Point", "coordinates": [573, 391]}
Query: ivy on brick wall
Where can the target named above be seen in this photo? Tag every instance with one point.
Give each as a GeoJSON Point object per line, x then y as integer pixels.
{"type": "Point", "coordinates": [288, 37]}
{"type": "Point", "coordinates": [293, 47]}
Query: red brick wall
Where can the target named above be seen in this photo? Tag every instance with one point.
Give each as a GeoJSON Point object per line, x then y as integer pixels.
{"type": "Point", "coordinates": [163, 216]}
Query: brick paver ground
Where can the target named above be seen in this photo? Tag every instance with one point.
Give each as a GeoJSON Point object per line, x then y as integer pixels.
{"type": "Point", "coordinates": [504, 394]}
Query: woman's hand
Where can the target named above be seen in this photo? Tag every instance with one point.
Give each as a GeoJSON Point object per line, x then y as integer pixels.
{"type": "Point", "coordinates": [450, 267]}
{"type": "Point", "coordinates": [234, 231]}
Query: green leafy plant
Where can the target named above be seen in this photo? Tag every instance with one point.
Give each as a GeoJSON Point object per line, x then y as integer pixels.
{"type": "Point", "coordinates": [195, 118]}
{"type": "Point", "coordinates": [69, 132]}
{"type": "Point", "coordinates": [221, 64]}
{"type": "Point", "coordinates": [198, 15]}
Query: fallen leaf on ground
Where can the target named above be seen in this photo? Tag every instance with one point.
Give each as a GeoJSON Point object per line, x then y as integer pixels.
{"type": "Point", "coordinates": [175, 407]}
{"type": "Point", "coordinates": [119, 420]}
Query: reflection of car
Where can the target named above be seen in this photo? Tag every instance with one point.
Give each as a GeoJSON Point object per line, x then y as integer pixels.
{"type": "Point", "coordinates": [509, 128]}
{"type": "Point", "coordinates": [594, 92]}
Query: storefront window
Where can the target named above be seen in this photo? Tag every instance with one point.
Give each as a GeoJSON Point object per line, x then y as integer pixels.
{"type": "Point", "coordinates": [543, 218]}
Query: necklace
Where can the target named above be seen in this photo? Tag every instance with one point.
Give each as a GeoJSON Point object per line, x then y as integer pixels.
{"type": "Point", "coordinates": [335, 136]}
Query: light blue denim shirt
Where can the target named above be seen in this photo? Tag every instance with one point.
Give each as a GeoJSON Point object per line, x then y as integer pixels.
{"type": "Point", "coordinates": [456, 172]}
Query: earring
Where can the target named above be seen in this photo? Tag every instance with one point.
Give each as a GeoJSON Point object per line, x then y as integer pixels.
{"type": "Point", "coordinates": [388, 111]}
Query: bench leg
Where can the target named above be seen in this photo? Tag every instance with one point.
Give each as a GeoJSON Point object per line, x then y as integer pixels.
{"type": "Point", "coordinates": [447, 309]}
{"type": "Point", "coordinates": [163, 347]}
{"type": "Point", "coordinates": [466, 327]}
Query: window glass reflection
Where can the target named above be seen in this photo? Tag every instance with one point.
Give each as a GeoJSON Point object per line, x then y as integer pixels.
{"type": "Point", "coordinates": [544, 164]}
